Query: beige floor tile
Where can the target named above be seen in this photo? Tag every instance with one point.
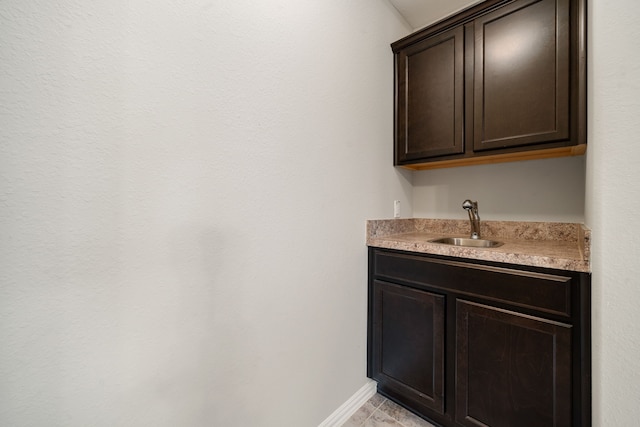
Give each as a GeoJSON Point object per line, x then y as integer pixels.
{"type": "Point", "coordinates": [377, 400]}
{"type": "Point", "coordinates": [380, 419]}
{"type": "Point", "coordinates": [404, 417]}
{"type": "Point", "coordinates": [360, 415]}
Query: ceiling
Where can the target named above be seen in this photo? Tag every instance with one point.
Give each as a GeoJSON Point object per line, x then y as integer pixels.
{"type": "Point", "coordinates": [419, 13]}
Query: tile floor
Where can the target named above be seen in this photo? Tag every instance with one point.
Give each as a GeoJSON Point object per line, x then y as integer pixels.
{"type": "Point", "coordinates": [380, 411]}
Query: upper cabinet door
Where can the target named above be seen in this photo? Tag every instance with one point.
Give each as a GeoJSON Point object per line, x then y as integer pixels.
{"type": "Point", "coordinates": [521, 75]}
{"type": "Point", "coordinates": [430, 98]}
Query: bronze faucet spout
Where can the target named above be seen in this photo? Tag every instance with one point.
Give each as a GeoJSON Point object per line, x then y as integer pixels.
{"type": "Point", "coordinates": [474, 217]}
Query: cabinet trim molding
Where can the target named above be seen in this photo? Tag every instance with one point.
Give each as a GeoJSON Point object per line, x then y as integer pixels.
{"type": "Point", "coordinates": [549, 153]}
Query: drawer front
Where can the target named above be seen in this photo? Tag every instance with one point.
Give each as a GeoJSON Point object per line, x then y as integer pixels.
{"type": "Point", "coordinates": [548, 293]}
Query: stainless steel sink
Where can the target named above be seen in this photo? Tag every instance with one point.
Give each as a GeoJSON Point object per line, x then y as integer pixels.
{"type": "Point", "coordinates": [461, 241]}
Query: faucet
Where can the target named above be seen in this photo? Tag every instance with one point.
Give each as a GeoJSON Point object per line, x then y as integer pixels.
{"type": "Point", "coordinates": [474, 218]}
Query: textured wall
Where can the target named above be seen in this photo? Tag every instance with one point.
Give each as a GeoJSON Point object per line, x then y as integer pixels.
{"type": "Point", "coordinates": [612, 207]}
{"type": "Point", "coordinates": [183, 193]}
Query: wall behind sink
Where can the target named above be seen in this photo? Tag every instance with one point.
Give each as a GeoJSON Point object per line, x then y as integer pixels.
{"type": "Point", "coordinates": [535, 190]}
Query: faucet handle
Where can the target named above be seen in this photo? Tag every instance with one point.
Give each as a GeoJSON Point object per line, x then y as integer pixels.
{"type": "Point", "coordinates": [468, 204]}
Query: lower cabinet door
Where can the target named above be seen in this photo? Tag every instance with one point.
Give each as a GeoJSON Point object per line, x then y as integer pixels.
{"type": "Point", "coordinates": [511, 369]}
{"type": "Point", "coordinates": [408, 343]}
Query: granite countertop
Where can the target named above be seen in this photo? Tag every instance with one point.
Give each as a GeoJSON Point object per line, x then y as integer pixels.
{"type": "Point", "coordinates": [563, 246]}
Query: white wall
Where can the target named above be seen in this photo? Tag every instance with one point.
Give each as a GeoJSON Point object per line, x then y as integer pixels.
{"type": "Point", "coordinates": [184, 188]}
{"type": "Point", "coordinates": [612, 207]}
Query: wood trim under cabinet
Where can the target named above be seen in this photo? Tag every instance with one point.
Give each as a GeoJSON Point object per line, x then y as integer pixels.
{"type": "Point", "coordinates": [575, 150]}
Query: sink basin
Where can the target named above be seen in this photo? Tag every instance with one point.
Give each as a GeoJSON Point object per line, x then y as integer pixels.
{"type": "Point", "coordinates": [461, 241]}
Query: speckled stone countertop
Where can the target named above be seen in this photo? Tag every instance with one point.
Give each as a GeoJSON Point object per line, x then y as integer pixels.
{"type": "Point", "coordinates": [563, 246]}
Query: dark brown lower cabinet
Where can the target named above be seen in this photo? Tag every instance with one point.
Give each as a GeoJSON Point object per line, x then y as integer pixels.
{"type": "Point", "coordinates": [470, 343]}
{"type": "Point", "coordinates": [511, 369]}
{"type": "Point", "coordinates": [409, 343]}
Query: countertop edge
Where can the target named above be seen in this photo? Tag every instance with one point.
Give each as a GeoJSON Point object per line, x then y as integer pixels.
{"type": "Point", "coordinates": [561, 246]}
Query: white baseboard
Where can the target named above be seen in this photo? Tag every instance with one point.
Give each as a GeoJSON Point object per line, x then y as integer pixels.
{"type": "Point", "coordinates": [348, 408]}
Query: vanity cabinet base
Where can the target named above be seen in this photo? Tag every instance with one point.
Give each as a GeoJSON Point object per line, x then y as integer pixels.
{"type": "Point", "coordinates": [470, 343]}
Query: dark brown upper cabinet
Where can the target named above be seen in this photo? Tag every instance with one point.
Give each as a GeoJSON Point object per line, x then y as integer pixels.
{"type": "Point", "coordinates": [500, 81]}
{"type": "Point", "coordinates": [430, 110]}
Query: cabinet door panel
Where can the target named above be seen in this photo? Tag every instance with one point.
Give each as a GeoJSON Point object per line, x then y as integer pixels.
{"type": "Point", "coordinates": [430, 98]}
{"type": "Point", "coordinates": [511, 369]}
{"type": "Point", "coordinates": [408, 348]}
{"type": "Point", "coordinates": [522, 75]}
